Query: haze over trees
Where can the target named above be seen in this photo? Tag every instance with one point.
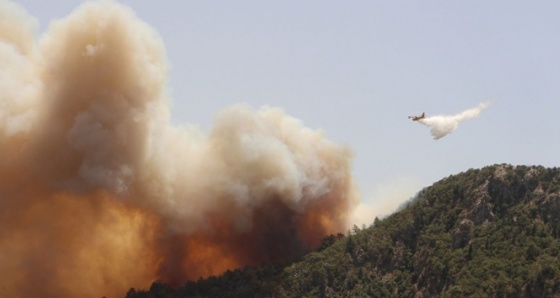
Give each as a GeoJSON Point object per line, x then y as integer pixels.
{"type": "Point", "coordinates": [491, 232]}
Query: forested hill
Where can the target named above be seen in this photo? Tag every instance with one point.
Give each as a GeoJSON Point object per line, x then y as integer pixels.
{"type": "Point", "coordinates": [493, 232]}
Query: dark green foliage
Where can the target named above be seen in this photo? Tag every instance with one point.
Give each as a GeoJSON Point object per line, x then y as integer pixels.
{"type": "Point", "coordinates": [492, 232]}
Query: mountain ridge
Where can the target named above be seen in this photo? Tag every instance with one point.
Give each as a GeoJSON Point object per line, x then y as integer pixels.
{"type": "Point", "coordinates": [491, 232]}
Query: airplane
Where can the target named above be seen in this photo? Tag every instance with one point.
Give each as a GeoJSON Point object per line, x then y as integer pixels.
{"type": "Point", "coordinates": [416, 118]}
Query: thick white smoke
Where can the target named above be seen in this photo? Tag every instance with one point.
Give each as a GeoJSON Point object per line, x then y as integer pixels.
{"type": "Point", "coordinates": [100, 193]}
{"type": "Point", "coordinates": [441, 125]}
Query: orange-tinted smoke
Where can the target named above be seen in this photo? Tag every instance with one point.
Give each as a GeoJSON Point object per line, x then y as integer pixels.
{"type": "Point", "coordinates": [100, 193]}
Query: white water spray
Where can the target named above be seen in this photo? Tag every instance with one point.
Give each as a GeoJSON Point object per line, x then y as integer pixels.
{"type": "Point", "coordinates": [441, 125]}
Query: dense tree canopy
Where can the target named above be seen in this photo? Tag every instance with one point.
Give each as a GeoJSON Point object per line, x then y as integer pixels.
{"type": "Point", "coordinates": [488, 232]}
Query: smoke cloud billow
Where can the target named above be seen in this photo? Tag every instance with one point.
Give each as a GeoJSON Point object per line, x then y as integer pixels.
{"type": "Point", "coordinates": [440, 126]}
{"type": "Point", "coordinates": [100, 193]}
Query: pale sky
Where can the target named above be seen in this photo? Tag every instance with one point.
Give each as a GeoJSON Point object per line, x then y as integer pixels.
{"type": "Point", "coordinates": [357, 69]}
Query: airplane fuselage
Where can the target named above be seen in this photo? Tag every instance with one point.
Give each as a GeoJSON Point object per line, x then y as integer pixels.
{"type": "Point", "coordinates": [416, 118]}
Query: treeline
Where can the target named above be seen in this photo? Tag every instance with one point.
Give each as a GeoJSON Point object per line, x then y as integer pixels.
{"type": "Point", "coordinates": [493, 232]}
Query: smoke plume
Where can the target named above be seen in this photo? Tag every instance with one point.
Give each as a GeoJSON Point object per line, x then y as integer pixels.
{"type": "Point", "coordinates": [440, 126]}
{"type": "Point", "coordinates": [100, 193]}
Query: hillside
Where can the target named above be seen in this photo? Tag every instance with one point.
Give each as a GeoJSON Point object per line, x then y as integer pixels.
{"type": "Point", "coordinates": [489, 232]}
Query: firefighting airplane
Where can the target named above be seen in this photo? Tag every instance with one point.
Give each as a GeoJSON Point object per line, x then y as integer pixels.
{"type": "Point", "coordinates": [416, 118]}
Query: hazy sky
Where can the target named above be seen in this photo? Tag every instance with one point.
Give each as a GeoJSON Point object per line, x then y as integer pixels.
{"type": "Point", "coordinates": [357, 69]}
